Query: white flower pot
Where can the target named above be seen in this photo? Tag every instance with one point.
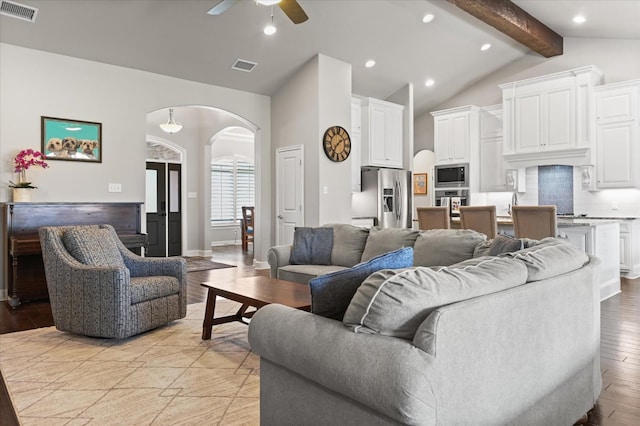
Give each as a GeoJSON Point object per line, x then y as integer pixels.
{"type": "Point", "coordinates": [22, 195]}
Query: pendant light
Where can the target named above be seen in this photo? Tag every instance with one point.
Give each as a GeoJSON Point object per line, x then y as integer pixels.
{"type": "Point", "coordinates": [171, 126]}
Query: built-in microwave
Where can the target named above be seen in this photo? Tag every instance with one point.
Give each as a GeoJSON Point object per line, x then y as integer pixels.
{"type": "Point", "coordinates": [452, 176]}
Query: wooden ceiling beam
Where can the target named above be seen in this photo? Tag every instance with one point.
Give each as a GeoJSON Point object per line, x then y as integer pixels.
{"type": "Point", "coordinates": [513, 21]}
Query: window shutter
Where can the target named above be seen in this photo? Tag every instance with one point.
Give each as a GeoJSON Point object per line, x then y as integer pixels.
{"type": "Point", "coordinates": [232, 186]}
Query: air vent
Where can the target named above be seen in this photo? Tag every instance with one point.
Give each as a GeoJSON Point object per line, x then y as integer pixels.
{"type": "Point", "coordinates": [17, 10]}
{"type": "Point", "coordinates": [242, 65]}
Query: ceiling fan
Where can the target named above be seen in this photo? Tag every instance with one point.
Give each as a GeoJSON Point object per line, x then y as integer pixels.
{"type": "Point", "coordinates": [291, 8]}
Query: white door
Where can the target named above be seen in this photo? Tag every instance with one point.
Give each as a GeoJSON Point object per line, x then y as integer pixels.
{"type": "Point", "coordinates": [289, 192]}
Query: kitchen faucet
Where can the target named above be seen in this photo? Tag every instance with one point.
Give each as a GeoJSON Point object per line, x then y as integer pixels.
{"type": "Point", "coordinates": [514, 202]}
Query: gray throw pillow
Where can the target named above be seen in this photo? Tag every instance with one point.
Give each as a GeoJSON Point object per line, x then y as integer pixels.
{"type": "Point", "coordinates": [395, 302]}
{"type": "Point", "coordinates": [91, 245]}
{"type": "Point", "coordinates": [384, 240]}
{"type": "Point", "coordinates": [311, 246]}
{"type": "Point", "coordinates": [505, 244]}
{"type": "Point", "coordinates": [348, 244]}
{"type": "Point", "coordinates": [442, 247]}
{"type": "Point", "coordinates": [331, 293]}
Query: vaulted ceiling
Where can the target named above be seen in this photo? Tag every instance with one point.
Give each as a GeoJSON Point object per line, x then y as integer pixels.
{"type": "Point", "coordinates": [178, 38]}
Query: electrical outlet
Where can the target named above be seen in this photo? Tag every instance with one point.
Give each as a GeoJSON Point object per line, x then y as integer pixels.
{"type": "Point", "coordinates": [115, 187]}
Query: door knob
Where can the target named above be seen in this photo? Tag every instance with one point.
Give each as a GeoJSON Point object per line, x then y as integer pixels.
{"type": "Point", "coordinates": [280, 216]}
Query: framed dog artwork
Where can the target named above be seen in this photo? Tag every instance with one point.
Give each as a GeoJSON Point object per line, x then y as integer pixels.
{"type": "Point", "coordinates": [71, 140]}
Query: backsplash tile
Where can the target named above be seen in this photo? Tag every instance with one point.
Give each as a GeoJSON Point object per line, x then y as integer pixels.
{"type": "Point", "coordinates": [555, 187]}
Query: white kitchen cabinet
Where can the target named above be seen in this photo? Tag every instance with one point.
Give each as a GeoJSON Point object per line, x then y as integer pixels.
{"type": "Point", "coordinates": [456, 133]}
{"type": "Point", "coordinates": [600, 239]}
{"type": "Point", "coordinates": [494, 173]}
{"type": "Point", "coordinates": [356, 144]}
{"type": "Point", "coordinates": [617, 135]}
{"type": "Point", "coordinates": [546, 118]}
{"type": "Point", "coordinates": [630, 248]}
{"type": "Point", "coordinates": [382, 140]}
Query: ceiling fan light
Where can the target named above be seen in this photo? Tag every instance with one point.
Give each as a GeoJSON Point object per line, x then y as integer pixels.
{"type": "Point", "coordinates": [171, 126]}
{"type": "Point", "coordinates": [267, 2]}
{"type": "Point", "coordinates": [270, 29]}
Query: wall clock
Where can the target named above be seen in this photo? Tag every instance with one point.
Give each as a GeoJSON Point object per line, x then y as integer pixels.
{"type": "Point", "coordinates": [336, 143]}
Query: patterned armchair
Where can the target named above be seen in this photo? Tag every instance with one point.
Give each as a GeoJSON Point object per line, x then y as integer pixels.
{"type": "Point", "coordinates": [97, 287]}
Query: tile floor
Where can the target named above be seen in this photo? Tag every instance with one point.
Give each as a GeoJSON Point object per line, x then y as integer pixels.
{"type": "Point", "coordinates": [167, 376]}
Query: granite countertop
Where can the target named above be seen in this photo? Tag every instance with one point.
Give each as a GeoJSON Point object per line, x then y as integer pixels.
{"type": "Point", "coordinates": [563, 222]}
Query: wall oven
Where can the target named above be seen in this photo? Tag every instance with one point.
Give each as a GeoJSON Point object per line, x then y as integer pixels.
{"type": "Point", "coordinates": [452, 199]}
{"type": "Point", "coordinates": [452, 176]}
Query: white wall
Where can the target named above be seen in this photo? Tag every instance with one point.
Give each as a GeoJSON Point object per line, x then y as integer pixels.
{"type": "Point", "coordinates": [315, 97]}
{"type": "Point", "coordinates": [36, 83]}
{"type": "Point", "coordinates": [334, 99]}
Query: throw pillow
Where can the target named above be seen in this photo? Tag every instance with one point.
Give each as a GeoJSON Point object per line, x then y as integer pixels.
{"type": "Point", "coordinates": [505, 244]}
{"type": "Point", "coordinates": [348, 244]}
{"type": "Point", "coordinates": [383, 240]}
{"type": "Point", "coordinates": [395, 302]}
{"type": "Point", "coordinates": [311, 246]}
{"type": "Point", "coordinates": [442, 247]}
{"type": "Point", "coordinates": [92, 245]}
{"type": "Point", "coordinates": [331, 293]}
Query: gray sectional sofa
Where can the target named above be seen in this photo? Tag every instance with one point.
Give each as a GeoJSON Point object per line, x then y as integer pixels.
{"type": "Point", "coordinates": [489, 340]}
{"type": "Point", "coordinates": [353, 244]}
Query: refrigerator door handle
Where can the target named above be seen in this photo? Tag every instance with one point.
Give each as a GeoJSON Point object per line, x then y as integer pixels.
{"type": "Point", "coordinates": [398, 201]}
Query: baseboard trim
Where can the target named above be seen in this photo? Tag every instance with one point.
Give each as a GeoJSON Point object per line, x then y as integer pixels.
{"type": "Point", "coordinates": [260, 264]}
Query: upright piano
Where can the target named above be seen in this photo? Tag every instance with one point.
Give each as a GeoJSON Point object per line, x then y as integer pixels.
{"type": "Point", "coordinates": [24, 268]}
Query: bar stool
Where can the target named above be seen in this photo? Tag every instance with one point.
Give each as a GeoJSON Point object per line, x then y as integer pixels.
{"type": "Point", "coordinates": [536, 222]}
{"type": "Point", "coordinates": [480, 218]}
{"type": "Point", "coordinates": [433, 218]}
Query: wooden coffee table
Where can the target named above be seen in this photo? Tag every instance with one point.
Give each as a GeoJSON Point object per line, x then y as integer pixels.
{"type": "Point", "coordinates": [253, 291]}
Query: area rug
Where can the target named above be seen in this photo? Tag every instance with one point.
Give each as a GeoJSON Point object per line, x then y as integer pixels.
{"type": "Point", "coordinates": [200, 263]}
{"type": "Point", "coordinates": [165, 376]}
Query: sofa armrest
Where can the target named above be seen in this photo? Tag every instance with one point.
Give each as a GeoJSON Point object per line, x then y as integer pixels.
{"type": "Point", "coordinates": [328, 353]}
{"type": "Point", "coordinates": [278, 256]}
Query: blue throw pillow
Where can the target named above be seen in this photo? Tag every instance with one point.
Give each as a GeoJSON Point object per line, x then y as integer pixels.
{"type": "Point", "coordinates": [332, 293]}
{"type": "Point", "coordinates": [311, 246]}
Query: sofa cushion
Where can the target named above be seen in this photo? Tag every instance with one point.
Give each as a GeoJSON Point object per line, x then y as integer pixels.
{"type": "Point", "coordinates": [395, 302]}
{"type": "Point", "coordinates": [384, 240]}
{"type": "Point", "coordinates": [303, 273]}
{"type": "Point", "coordinates": [311, 246]}
{"type": "Point", "coordinates": [507, 244]}
{"type": "Point", "coordinates": [442, 247]}
{"type": "Point", "coordinates": [331, 293]}
{"type": "Point", "coordinates": [92, 245]}
{"type": "Point", "coordinates": [153, 287]}
{"type": "Point", "coordinates": [348, 244]}
{"type": "Point", "coordinates": [550, 257]}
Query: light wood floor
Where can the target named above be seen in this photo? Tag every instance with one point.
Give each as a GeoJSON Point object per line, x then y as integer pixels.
{"type": "Point", "coordinates": [619, 402]}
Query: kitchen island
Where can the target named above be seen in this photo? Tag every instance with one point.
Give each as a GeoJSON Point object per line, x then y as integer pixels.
{"type": "Point", "coordinates": [599, 237]}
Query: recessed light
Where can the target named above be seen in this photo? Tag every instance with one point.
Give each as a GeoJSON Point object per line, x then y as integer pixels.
{"type": "Point", "coordinates": [369, 63]}
{"type": "Point", "coordinates": [270, 29]}
{"type": "Point", "coordinates": [429, 82]}
{"type": "Point", "coordinates": [485, 46]}
{"type": "Point", "coordinates": [428, 18]}
{"type": "Point", "coordinates": [579, 19]}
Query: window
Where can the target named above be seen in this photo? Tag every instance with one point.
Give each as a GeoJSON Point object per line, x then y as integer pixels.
{"type": "Point", "coordinates": [232, 186]}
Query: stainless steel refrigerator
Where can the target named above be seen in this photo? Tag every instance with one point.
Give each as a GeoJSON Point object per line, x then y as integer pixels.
{"type": "Point", "coordinates": [386, 196]}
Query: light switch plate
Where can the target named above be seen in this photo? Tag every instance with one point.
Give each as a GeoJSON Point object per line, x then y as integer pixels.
{"type": "Point", "coordinates": [115, 187]}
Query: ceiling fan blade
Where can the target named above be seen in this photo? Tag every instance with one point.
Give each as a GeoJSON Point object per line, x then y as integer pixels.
{"type": "Point", "coordinates": [293, 10]}
{"type": "Point", "coordinates": [221, 7]}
